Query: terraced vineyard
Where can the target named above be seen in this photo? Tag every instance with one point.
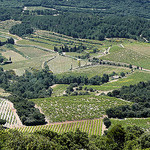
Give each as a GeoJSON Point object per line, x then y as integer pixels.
{"type": "Point", "coordinates": [8, 113]}
{"type": "Point", "coordinates": [63, 108]}
{"type": "Point", "coordinates": [92, 127]}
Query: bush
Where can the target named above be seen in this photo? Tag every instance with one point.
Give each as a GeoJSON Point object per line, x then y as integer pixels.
{"type": "Point", "coordinates": [107, 122]}
{"type": "Point", "coordinates": [2, 122]}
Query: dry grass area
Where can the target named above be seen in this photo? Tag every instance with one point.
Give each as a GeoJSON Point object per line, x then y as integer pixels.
{"type": "Point", "coordinates": [3, 93]}
{"type": "Point", "coordinates": [32, 52]}
{"type": "Point", "coordinates": [142, 48]}
{"type": "Point", "coordinates": [15, 57]}
{"type": "Point", "coordinates": [62, 64]}
{"type": "Point", "coordinates": [20, 66]}
{"type": "Point", "coordinates": [8, 24]}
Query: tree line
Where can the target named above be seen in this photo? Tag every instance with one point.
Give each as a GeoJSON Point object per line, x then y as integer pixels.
{"type": "Point", "coordinates": [65, 48]}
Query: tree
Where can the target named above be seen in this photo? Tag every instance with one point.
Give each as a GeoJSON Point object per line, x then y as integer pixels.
{"type": "Point", "coordinates": [117, 134]}
{"type": "Point", "coordinates": [10, 41]}
{"type": "Point", "coordinates": [107, 122]}
{"type": "Point", "coordinates": [122, 74]}
{"type": "Point", "coordinates": [145, 140]}
{"type": "Point", "coordinates": [2, 122]}
{"type": "Point", "coordinates": [130, 66]}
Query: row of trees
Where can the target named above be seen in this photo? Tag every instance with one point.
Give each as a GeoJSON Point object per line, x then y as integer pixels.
{"type": "Point", "coordinates": [117, 138]}
{"type": "Point", "coordinates": [65, 48]}
{"type": "Point", "coordinates": [96, 80]}
{"type": "Point", "coordinates": [139, 94]}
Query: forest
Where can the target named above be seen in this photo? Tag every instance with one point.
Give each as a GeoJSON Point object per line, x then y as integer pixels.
{"type": "Point", "coordinates": [139, 94]}
{"type": "Point", "coordinates": [80, 25]}
{"type": "Point", "coordinates": [107, 7]}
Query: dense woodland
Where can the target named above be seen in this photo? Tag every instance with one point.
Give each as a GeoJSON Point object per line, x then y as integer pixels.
{"type": "Point", "coordinates": [139, 8]}
{"type": "Point", "coordinates": [139, 94]}
{"type": "Point", "coordinates": [117, 138]}
{"type": "Point", "coordinates": [82, 24]}
{"type": "Point", "coordinates": [79, 25]}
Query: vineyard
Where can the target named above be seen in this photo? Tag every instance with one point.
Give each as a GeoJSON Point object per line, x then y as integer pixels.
{"type": "Point", "coordinates": [59, 109]}
{"type": "Point", "coordinates": [141, 122]}
{"type": "Point", "coordinates": [7, 112]}
{"type": "Point", "coordinates": [92, 127]}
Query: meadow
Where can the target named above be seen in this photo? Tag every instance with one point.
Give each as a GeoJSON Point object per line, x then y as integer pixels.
{"type": "Point", "coordinates": [58, 89]}
{"type": "Point", "coordinates": [67, 108]}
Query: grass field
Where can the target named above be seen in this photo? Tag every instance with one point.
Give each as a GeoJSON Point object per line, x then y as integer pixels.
{"type": "Point", "coordinates": [58, 109]}
{"type": "Point", "coordinates": [8, 24]}
{"type": "Point", "coordinates": [135, 54]}
{"type": "Point", "coordinates": [143, 122]}
{"type": "Point", "coordinates": [91, 71]}
{"type": "Point", "coordinates": [20, 66]}
{"type": "Point", "coordinates": [37, 8]}
{"type": "Point", "coordinates": [59, 89]}
{"type": "Point", "coordinates": [92, 127]}
{"type": "Point", "coordinates": [33, 52]}
{"type": "Point", "coordinates": [131, 79]}
{"type": "Point", "coordinates": [63, 64]}
{"type": "Point", "coordinates": [15, 57]}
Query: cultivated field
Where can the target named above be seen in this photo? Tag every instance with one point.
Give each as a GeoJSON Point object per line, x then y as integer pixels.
{"type": "Point", "coordinates": [7, 112]}
{"type": "Point", "coordinates": [58, 109]}
{"type": "Point", "coordinates": [62, 64]}
{"type": "Point", "coordinates": [92, 127]}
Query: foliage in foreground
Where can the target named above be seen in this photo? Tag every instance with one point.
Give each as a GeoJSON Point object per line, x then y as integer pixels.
{"type": "Point", "coordinates": [117, 138]}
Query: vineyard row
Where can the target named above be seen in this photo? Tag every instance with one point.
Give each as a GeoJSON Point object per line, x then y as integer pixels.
{"type": "Point", "coordinates": [92, 127]}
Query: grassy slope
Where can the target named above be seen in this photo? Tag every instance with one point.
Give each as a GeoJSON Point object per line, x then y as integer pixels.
{"type": "Point", "coordinates": [95, 70]}
{"type": "Point", "coordinates": [131, 79]}
{"type": "Point", "coordinates": [135, 53]}
{"type": "Point", "coordinates": [59, 89]}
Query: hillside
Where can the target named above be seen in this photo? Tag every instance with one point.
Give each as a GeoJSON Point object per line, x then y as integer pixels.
{"type": "Point", "coordinates": [75, 74]}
